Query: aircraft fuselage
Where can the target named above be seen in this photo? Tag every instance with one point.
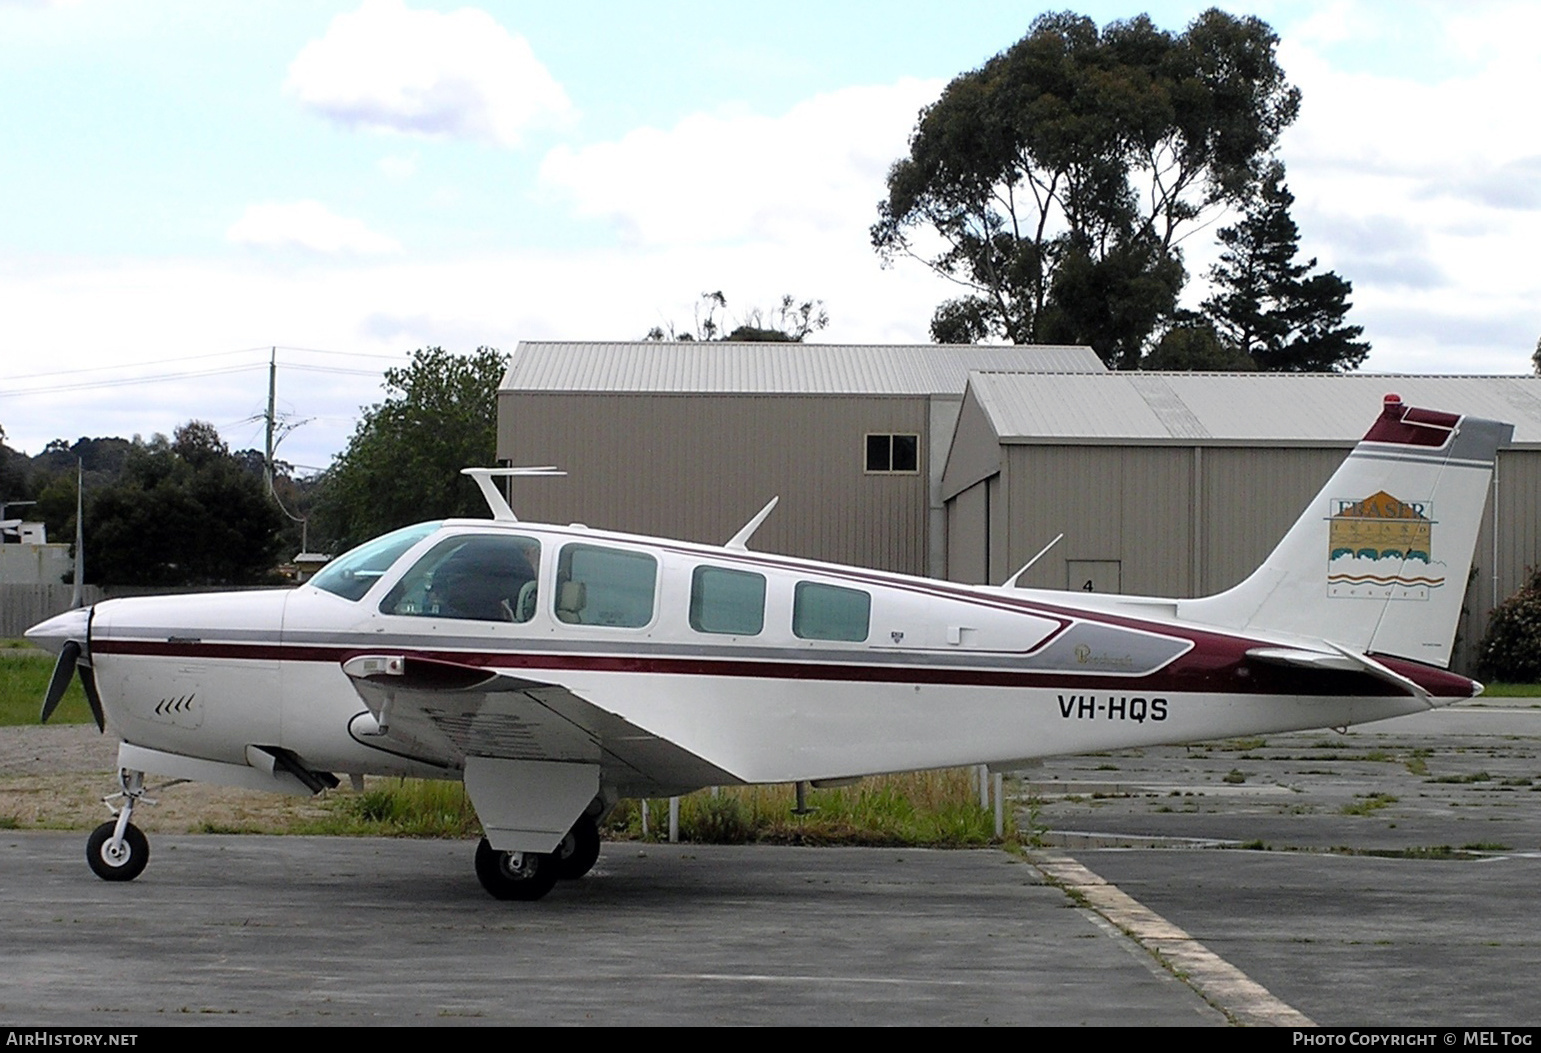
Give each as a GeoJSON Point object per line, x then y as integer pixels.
{"type": "Point", "coordinates": [944, 675]}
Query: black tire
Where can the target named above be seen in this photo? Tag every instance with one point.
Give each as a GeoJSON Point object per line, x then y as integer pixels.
{"type": "Point", "coordinates": [579, 850]}
{"type": "Point", "coordinates": [125, 865]}
{"type": "Point", "coordinates": [514, 875]}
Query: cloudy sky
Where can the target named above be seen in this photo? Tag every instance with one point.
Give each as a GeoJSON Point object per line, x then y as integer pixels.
{"type": "Point", "coordinates": [185, 185]}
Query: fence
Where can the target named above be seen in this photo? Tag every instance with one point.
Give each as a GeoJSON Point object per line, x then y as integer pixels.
{"type": "Point", "coordinates": [23, 606]}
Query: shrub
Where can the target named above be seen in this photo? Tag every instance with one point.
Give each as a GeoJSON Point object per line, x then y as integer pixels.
{"type": "Point", "coordinates": [1511, 650]}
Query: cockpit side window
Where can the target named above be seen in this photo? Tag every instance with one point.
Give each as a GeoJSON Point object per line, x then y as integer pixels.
{"type": "Point", "coordinates": [352, 574]}
{"type": "Point", "coordinates": [828, 612]}
{"type": "Point", "coordinates": [605, 586]}
{"type": "Point", "coordinates": [479, 577]}
{"type": "Point", "coordinates": [727, 601]}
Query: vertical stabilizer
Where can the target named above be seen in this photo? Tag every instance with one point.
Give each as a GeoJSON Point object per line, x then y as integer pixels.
{"type": "Point", "coordinates": [1378, 561]}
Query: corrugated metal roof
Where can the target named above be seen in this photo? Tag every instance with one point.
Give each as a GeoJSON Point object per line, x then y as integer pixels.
{"type": "Point", "coordinates": [814, 369]}
{"type": "Point", "coordinates": [1306, 408]}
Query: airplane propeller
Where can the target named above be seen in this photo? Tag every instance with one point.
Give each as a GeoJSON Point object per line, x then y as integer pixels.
{"type": "Point", "coordinates": [69, 662]}
{"type": "Point", "coordinates": [69, 654]}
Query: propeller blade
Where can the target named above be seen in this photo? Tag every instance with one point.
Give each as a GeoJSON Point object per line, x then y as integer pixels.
{"type": "Point", "coordinates": [93, 697]}
{"type": "Point", "coordinates": [64, 668]}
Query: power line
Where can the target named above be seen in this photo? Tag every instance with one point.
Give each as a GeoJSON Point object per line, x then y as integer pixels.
{"type": "Point", "coordinates": [85, 385]}
{"type": "Point", "coordinates": [209, 354]}
{"type": "Point", "coordinates": [340, 370]}
{"type": "Point", "coordinates": [341, 354]}
{"type": "Point", "coordinates": [135, 365]}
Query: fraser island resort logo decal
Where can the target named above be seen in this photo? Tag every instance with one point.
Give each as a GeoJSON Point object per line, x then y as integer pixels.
{"type": "Point", "coordinates": [1382, 548]}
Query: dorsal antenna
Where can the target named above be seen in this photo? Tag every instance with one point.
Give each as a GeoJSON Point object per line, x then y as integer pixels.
{"type": "Point", "coordinates": [1011, 582]}
{"type": "Point", "coordinates": [484, 476]}
{"type": "Point", "coordinates": [741, 539]}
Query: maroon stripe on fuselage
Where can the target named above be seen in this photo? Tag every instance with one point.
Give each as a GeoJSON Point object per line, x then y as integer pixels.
{"type": "Point", "coordinates": [1222, 669]}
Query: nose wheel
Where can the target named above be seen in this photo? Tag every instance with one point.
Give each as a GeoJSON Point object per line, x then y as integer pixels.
{"type": "Point", "coordinates": [118, 850]}
{"type": "Point", "coordinates": [117, 858]}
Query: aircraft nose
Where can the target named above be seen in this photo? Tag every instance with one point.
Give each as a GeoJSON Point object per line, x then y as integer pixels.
{"type": "Point", "coordinates": [53, 634]}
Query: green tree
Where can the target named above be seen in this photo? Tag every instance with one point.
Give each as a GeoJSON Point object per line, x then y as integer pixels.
{"type": "Point", "coordinates": [403, 463]}
{"type": "Point", "coordinates": [1192, 345]}
{"type": "Point", "coordinates": [15, 474]}
{"type": "Point", "coordinates": [790, 322]}
{"type": "Point", "coordinates": [183, 512]}
{"type": "Point", "coordinates": [1271, 308]}
{"type": "Point", "coordinates": [1055, 183]}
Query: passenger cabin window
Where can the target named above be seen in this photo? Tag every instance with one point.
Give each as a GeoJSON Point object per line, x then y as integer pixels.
{"type": "Point", "coordinates": [352, 574]}
{"type": "Point", "coordinates": [893, 454]}
{"type": "Point", "coordinates": [828, 612]}
{"type": "Point", "coordinates": [479, 577]}
{"type": "Point", "coordinates": [605, 586]}
{"type": "Point", "coordinates": [727, 601]}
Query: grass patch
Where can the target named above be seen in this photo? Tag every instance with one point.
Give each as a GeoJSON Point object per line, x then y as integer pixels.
{"type": "Point", "coordinates": [1485, 846]}
{"type": "Point", "coordinates": [1367, 804]}
{"type": "Point", "coordinates": [398, 808]}
{"type": "Point", "coordinates": [24, 678]}
{"type": "Point", "coordinates": [1435, 852]}
{"type": "Point", "coordinates": [1512, 691]}
{"type": "Point", "coordinates": [1235, 775]}
{"type": "Point", "coordinates": [935, 808]}
{"type": "Point", "coordinates": [1476, 776]}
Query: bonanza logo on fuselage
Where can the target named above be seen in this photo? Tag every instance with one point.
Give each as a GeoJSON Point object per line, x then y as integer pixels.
{"type": "Point", "coordinates": [1382, 547]}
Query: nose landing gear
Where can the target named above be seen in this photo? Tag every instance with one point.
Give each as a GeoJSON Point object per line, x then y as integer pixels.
{"type": "Point", "coordinates": [118, 850]}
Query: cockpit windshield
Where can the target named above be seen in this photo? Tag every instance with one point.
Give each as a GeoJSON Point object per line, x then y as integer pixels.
{"type": "Point", "coordinates": [352, 574]}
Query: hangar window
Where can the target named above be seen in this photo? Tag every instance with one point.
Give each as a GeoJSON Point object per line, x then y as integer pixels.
{"type": "Point", "coordinates": [894, 454]}
{"type": "Point", "coordinates": [727, 601]}
{"type": "Point", "coordinates": [828, 612]}
{"type": "Point", "coordinates": [482, 577]}
{"type": "Point", "coordinates": [605, 586]}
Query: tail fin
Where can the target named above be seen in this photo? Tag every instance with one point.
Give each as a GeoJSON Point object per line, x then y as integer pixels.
{"type": "Point", "coordinates": [1378, 561]}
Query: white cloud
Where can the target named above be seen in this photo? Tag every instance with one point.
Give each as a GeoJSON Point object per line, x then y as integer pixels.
{"type": "Point", "coordinates": [149, 311]}
{"type": "Point", "coordinates": [307, 225]}
{"type": "Point", "coordinates": [1416, 181]}
{"type": "Point", "coordinates": [729, 177]}
{"type": "Point", "coordinates": [458, 75]}
{"type": "Point", "coordinates": [399, 166]}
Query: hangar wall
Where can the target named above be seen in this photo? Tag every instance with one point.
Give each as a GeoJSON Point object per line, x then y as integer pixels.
{"type": "Point", "coordinates": [698, 466]}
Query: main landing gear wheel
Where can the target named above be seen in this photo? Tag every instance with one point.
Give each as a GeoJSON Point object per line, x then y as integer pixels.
{"type": "Point", "coordinates": [579, 850]}
{"type": "Point", "coordinates": [515, 875]}
{"type": "Point", "coordinates": [123, 861]}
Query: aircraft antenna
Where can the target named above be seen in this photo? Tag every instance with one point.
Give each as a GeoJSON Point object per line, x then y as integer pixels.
{"type": "Point", "coordinates": [77, 596]}
{"type": "Point", "coordinates": [499, 507]}
{"type": "Point", "coordinates": [741, 539]}
{"type": "Point", "coordinates": [1011, 582]}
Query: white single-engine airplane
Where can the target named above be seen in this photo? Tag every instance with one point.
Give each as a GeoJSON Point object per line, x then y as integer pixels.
{"type": "Point", "coordinates": [557, 669]}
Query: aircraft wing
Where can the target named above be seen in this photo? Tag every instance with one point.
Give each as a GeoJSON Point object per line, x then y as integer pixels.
{"type": "Point", "coordinates": [445, 710]}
